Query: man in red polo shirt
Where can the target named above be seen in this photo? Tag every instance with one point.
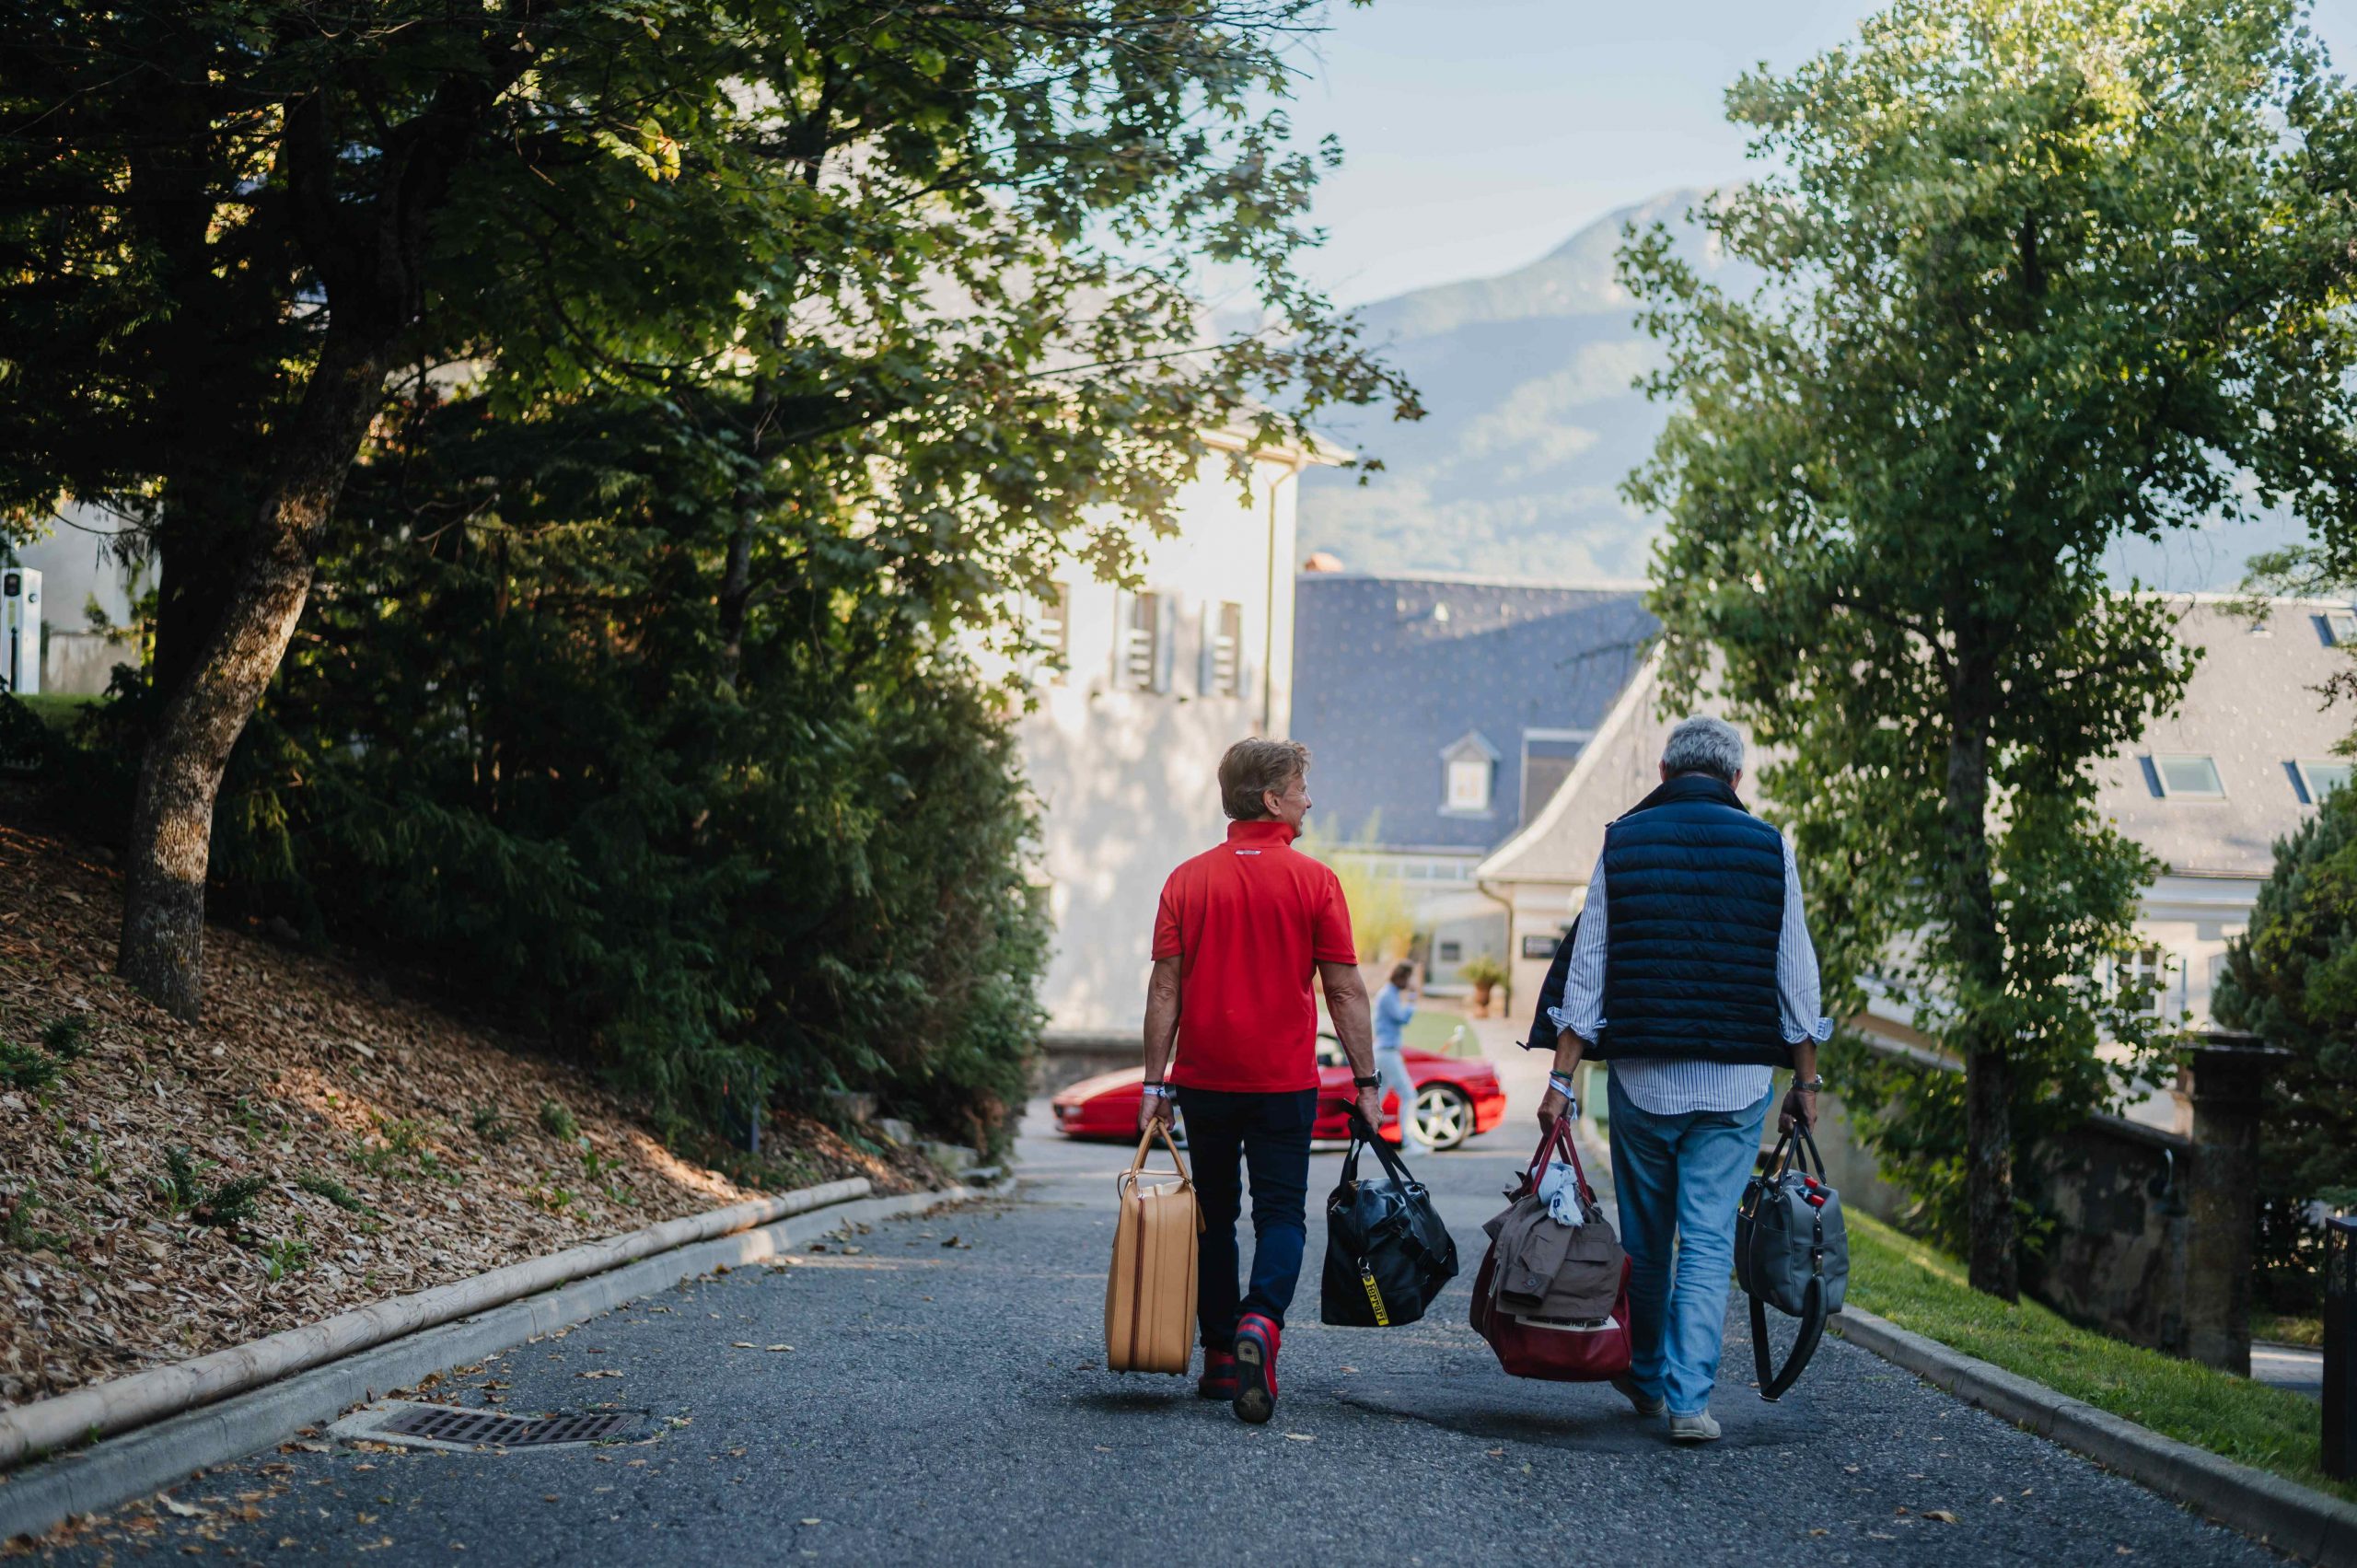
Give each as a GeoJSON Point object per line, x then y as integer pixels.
{"type": "Point", "coordinates": [1241, 931]}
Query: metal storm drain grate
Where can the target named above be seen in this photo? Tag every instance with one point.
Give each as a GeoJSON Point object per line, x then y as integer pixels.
{"type": "Point", "coordinates": [450, 1426]}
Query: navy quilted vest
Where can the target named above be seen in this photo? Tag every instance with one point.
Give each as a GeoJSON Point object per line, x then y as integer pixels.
{"type": "Point", "coordinates": [1694, 905]}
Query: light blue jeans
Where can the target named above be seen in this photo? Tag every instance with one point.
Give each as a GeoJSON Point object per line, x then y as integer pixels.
{"type": "Point", "coordinates": [1679, 1176]}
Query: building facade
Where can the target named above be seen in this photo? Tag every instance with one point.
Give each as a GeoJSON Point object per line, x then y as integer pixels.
{"type": "Point", "coordinates": [1443, 710]}
{"type": "Point", "coordinates": [81, 572]}
{"type": "Point", "coordinates": [1134, 697]}
{"type": "Point", "coordinates": [2207, 790]}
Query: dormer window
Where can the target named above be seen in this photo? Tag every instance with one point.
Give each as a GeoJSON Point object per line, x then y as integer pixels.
{"type": "Point", "coordinates": [2320, 778]}
{"type": "Point", "coordinates": [1469, 776]}
{"type": "Point", "coordinates": [2341, 628]}
{"type": "Point", "coordinates": [1469, 785]}
{"type": "Point", "coordinates": [2187, 777]}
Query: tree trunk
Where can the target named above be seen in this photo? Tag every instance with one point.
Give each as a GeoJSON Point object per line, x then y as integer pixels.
{"type": "Point", "coordinates": [1980, 965]}
{"type": "Point", "coordinates": [1988, 1172]}
{"type": "Point", "coordinates": [205, 711]}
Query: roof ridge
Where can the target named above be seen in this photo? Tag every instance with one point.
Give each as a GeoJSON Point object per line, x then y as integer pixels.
{"type": "Point", "coordinates": [1480, 580]}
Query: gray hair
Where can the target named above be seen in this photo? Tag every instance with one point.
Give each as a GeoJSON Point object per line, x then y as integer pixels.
{"type": "Point", "coordinates": [1704, 745]}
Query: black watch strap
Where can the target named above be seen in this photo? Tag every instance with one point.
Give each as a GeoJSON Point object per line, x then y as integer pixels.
{"type": "Point", "coordinates": [1372, 1080]}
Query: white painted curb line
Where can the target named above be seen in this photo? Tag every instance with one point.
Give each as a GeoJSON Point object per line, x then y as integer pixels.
{"type": "Point", "coordinates": [89, 1480]}
{"type": "Point", "coordinates": [2282, 1513]}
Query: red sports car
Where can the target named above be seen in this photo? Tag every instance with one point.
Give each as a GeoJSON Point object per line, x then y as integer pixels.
{"type": "Point", "coordinates": [1455, 1099]}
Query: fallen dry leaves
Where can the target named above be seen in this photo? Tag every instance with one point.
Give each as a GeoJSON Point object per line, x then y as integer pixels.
{"type": "Point", "coordinates": [313, 1076]}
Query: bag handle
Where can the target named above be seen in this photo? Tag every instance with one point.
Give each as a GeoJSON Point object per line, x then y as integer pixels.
{"type": "Point", "coordinates": [1146, 1141]}
{"type": "Point", "coordinates": [1796, 1151]}
{"type": "Point", "coordinates": [1362, 1133]}
{"type": "Point", "coordinates": [1560, 1134]}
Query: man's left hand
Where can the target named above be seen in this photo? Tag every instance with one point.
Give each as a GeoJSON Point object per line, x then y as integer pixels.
{"type": "Point", "coordinates": [1800, 1105]}
{"type": "Point", "coordinates": [1371, 1105]}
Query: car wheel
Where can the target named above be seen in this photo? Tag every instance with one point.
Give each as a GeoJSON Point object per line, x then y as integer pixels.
{"type": "Point", "coordinates": [1443, 1116]}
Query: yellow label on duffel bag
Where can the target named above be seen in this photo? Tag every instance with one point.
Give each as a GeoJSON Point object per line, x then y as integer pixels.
{"type": "Point", "coordinates": [1374, 1297]}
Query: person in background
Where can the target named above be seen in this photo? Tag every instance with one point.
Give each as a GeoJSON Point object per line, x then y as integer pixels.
{"type": "Point", "coordinates": [1692, 973]}
{"type": "Point", "coordinates": [1242, 930]}
{"type": "Point", "coordinates": [1394, 1005]}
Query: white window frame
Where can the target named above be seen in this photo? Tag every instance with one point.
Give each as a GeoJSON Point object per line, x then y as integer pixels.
{"type": "Point", "coordinates": [1222, 674]}
{"type": "Point", "coordinates": [2149, 967]}
{"type": "Point", "coordinates": [1140, 654]}
{"type": "Point", "coordinates": [2341, 628]}
{"type": "Point", "coordinates": [1051, 635]}
{"type": "Point", "coordinates": [2161, 776]}
{"type": "Point", "coordinates": [2307, 780]}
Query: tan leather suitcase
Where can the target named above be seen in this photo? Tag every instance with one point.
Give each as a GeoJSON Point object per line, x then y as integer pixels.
{"type": "Point", "coordinates": [1150, 1291]}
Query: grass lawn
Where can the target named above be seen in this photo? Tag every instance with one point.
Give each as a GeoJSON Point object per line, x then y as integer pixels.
{"type": "Point", "coordinates": [58, 712]}
{"type": "Point", "coordinates": [2287, 1330]}
{"type": "Point", "coordinates": [1429, 1030]}
{"type": "Point", "coordinates": [1922, 1289]}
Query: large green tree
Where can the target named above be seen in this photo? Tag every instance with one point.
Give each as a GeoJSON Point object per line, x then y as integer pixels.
{"type": "Point", "coordinates": [974, 234]}
{"type": "Point", "coordinates": [2038, 277]}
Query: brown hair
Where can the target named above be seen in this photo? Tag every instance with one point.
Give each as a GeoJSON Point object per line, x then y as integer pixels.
{"type": "Point", "coordinates": [1253, 767]}
{"type": "Point", "coordinates": [1402, 973]}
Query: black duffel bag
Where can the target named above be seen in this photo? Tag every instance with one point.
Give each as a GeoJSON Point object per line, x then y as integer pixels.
{"type": "Point", "coordinates": [1387, 1254]}
{"type": "Point", "coordinates": [1791, 1250]}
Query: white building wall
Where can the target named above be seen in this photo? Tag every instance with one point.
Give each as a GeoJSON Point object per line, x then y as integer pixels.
{"type": "Point", "coordinates": [1128, 780]}
{"type": "Point", "coordinates": [78, 570]}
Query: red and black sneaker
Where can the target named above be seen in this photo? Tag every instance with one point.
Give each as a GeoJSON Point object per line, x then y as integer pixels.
{"type": "Point", "coordinates": [1218, 1381]}
{"type": "Point", "coordinates": [1256, 1368]}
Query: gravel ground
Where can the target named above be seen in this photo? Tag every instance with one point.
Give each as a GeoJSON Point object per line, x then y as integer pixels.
{"type": "Point", "coordinates": [947, 1402]}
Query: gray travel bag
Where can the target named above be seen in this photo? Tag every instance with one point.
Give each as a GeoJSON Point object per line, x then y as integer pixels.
{"type": "Point", "coordinates": [1792, 1250]}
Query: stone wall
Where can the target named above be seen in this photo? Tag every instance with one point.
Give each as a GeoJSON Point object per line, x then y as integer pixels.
{"type": "Point", "coordinates": [2153, 1231]}
{"type": "Point", "coordinates": [2116, 1192]}
{"type": "Point", "coordinates": [1065, 1058]}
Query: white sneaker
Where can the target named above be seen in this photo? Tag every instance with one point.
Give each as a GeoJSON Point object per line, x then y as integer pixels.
{"type": "Point", "coordinates": [1696, 1428]}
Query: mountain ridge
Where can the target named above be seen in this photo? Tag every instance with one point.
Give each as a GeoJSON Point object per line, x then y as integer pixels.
{"type": "Point", "coordinates": [1534, 418]}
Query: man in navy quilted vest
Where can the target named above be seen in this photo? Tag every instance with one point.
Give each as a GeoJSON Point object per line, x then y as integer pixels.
{"type": "Point", "coordinates": [1691, 972]}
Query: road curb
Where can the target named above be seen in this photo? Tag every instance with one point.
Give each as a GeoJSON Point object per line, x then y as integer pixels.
{"type": "Point", "coordinates": [2282, 1513]}
{"type": "Point", "coordinates": [94, 1480]}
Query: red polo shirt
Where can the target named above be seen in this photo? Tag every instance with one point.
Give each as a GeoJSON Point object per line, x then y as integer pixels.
{"type": "Point", "coordinates": [1249, 923]}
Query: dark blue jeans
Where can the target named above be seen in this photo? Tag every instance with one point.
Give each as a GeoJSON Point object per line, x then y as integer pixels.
{"type": "Point", "coordinates": [1270, 1134]}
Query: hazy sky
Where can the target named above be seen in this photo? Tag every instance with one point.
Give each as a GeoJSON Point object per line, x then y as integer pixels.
{"type": "Point", "coordinates": [1480, 133]}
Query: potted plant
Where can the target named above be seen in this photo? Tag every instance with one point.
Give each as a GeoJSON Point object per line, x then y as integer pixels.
{"type": "Point", "coordinates": [1484, 973]}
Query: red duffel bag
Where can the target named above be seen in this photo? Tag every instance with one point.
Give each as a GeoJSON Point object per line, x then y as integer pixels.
{"type": "Point", "coordinates": [1566, 1340]}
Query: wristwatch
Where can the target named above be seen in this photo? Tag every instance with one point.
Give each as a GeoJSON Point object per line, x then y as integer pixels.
{"type": "Point", "coordinates": [1813, 1085]}
{"type": "Point", "coordinates": [1373, 1080]}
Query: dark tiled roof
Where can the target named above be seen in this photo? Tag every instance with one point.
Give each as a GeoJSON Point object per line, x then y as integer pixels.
{"type": "Point", "coordinates": [1383, 685]}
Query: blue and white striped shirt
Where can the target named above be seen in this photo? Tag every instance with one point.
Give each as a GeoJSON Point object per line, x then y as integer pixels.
{"type": "Point", "coordinates": [1673, 1085]}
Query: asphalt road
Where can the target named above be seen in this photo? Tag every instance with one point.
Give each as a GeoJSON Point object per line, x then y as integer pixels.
{"type": "Point", "coordinates": [945, 1401]}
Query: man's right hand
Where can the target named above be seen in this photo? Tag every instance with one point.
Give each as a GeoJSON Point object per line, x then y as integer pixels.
{"type": "Point", "coordinates": [1555, 1103]}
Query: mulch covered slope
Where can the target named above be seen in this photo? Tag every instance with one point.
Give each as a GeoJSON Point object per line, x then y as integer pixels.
{"type": "Point", "coordinates": [394, 1148]}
